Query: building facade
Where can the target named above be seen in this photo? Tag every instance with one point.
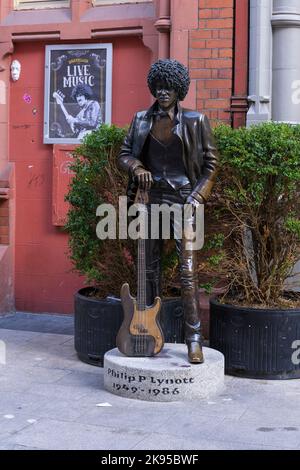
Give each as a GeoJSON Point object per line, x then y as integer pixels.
{"type": "Point", "coordinates": [274, 68]}
{"type": "Point", "coordinates": [209, 36]}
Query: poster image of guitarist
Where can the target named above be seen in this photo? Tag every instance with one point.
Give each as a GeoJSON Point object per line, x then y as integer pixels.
{"type": "Point", "coordinates": [89, 117]}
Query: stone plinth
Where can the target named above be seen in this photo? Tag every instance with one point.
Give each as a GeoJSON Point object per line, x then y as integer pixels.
{"type": "Point", "coordinates": [167, 376]}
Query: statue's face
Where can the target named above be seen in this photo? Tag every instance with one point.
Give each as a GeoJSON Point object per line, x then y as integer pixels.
{"type": "Point", "coordinates": [165, 96]}
{"type": "Point", "coordinates": [15, 70]}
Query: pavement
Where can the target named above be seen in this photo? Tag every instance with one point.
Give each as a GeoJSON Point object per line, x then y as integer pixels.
{"type": "Point", "coordinates": [49, 399]}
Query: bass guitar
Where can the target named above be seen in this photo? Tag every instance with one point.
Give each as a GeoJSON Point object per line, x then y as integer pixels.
{"type": "Point", "coordinates": [140, 334]}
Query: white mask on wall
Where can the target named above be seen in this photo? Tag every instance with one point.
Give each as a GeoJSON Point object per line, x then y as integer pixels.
{"type": "Point", "coordinates": [15, 70]}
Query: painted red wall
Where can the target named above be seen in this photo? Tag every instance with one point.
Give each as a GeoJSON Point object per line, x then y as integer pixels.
{"type": "Point", "coordinates": [44, 282]}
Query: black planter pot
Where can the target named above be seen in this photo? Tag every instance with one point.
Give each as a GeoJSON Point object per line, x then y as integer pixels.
{"type": "Point", "coordinates": [256, 343]}
{"type": "Point", "coordinates": [97, 323]}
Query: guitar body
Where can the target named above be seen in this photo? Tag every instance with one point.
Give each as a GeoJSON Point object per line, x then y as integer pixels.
{"type": "Point", "coordinates": [140, 334]}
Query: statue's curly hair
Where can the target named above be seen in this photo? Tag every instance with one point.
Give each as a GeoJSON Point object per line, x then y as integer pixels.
{"type": "Point", "coordinates": [81, 89]}
{"type": "Point", "coordinates": [173, 73]}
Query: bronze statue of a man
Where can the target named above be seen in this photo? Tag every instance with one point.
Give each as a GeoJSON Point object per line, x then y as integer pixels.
{"type": "Point", "coordinates": [170, 152]}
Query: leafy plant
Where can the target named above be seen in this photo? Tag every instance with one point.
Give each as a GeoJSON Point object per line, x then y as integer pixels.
{"type": "Point", "coordinates": [207, 287]}
{"type": "Point", "coordinates": [106, 264]}
{"type": "Point", "coordinates": [252, 218]}
{"type": "Point", "coordinates": [258, 194]}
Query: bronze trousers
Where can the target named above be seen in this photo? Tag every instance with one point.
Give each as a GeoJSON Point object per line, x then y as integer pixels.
{"type": "Point", "coordinates": [163, 193]}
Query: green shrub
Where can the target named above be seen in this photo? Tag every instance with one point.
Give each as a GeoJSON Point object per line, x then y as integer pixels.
{"type": "Point", "coordinates": [106, 264]}
{"type": "Point", "coordinates": [252, 220]}
{"type": "Point", "coordinates": [258, 193]}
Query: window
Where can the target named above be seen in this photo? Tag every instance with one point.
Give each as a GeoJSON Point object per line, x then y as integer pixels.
{"type": "Point", "coordinates": [32, 4]}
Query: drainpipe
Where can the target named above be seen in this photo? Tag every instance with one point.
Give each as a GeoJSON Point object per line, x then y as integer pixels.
{"type": "Point", "coordinates": [163, 26]}
{"type": "Point", "coordinates": [239, 98]}
{"type": "Point", "coordinates": [260, 62]}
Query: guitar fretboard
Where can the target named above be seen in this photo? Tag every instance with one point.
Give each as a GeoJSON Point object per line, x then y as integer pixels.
{"type": "Point", "coordinates": [141, 284]}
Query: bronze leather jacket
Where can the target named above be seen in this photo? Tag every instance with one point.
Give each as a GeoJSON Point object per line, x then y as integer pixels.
{"type": "Point", "coordinates": [200, 155]}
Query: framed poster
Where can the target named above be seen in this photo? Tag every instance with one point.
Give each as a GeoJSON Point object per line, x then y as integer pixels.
{"type": "Point", "coordinates": [78, 81]}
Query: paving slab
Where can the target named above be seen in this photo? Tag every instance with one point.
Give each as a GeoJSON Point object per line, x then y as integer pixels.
{"type": "Point", "coordinates": [57, 434]}
{"type": "Point", "coordinates": [158, 442]}
{"type": "Point", "coordinates": [43, 323]}
{"type": "Point", "coordinates": [258, 432]}
{"type": "Point", "coordinates": [49, 399]}
{"type": "Point", "coordinates": [13, 423]}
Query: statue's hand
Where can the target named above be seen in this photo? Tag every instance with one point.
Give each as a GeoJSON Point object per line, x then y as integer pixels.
{"type": "Point", "coordinates": [143, 177]}
{"type": "Point", "coordinates": [195, 202]}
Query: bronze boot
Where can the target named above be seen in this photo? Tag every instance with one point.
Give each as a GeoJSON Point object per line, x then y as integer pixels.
{"type": "Point", "coordinates": [193, 342]}
{"type": "Point", "coordinates": [192, 325]}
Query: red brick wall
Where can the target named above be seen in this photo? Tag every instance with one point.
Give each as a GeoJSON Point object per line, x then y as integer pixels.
{"type": "Point", "coordinates": [211, 58]}
{"type": "Point", "coordinates": [4, 224]}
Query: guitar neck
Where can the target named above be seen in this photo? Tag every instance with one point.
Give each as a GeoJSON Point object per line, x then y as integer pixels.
{"type": "Point", "coordinates": [64, 110]}
{"type": "Point", "coordinates": [141, 275]}
{"type": "Point", "coordinates": [66, 115]}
